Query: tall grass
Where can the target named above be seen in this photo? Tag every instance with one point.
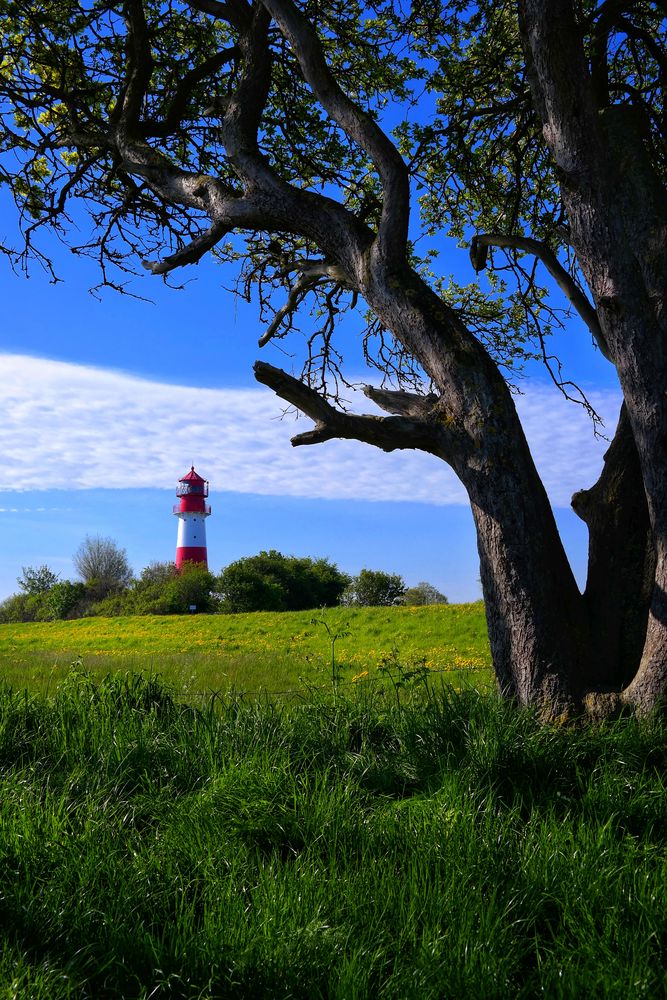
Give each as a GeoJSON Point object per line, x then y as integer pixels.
{"type": "Point", "coordinates": [405, 843]}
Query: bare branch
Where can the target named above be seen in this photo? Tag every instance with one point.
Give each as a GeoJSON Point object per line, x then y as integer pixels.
{"type": "Point", "coordinates": [313, 274]}
{"type": "Point", "coordinates": [387, 433]}
{"type": "Point", "coordinates": [393, 229]}
{"type": "Point", "coordinates": [299, 289]}
{"type": "Point", "coordinates": [562, 277]}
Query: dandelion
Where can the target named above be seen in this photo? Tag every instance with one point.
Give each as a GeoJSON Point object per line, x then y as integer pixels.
{"type": "Point", "coordinates": [358, 677]}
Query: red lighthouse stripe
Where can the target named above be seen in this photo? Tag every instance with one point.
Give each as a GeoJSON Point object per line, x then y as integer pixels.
{"type": "Point", "coordinates": [191, 553]}
{"type": "Point", "coordinates": [196, 504]}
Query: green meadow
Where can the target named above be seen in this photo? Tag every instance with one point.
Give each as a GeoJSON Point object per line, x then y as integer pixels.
{"type": "Point", "coordinates": [177, 831]}
{"type": "Point", "coordinates": [432, 845]}
{"type": "Point", "coordinates": [253, 653]}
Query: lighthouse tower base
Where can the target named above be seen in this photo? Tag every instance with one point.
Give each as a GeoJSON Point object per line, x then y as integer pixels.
{"type": "Point", "coordinates": [191, 539]}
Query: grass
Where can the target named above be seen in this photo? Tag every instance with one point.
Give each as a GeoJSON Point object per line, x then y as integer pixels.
{"type": "Point", "coordinates": [252, 652]}
{"type": "Point", "coordinates": [418, 843]}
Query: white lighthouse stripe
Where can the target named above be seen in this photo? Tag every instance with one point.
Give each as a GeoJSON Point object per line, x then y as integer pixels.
{"type": "Point", "coordinates": [191, 531]}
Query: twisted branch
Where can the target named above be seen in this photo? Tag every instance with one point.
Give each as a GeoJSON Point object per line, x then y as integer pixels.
{"type": "Point", "coordinates": [357, 124]}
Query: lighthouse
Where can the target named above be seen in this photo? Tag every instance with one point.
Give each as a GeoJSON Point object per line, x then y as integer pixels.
{"type": "Point", "coordinates": [191, 511]}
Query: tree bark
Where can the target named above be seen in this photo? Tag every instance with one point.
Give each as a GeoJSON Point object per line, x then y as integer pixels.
{"type": "Point", "coordinates": [621, 562]}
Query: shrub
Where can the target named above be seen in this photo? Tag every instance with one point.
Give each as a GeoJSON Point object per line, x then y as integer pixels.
{"type": "Point", "coordinates": [423, 593]}
{"type": "Point", "coordinates": [374, 588]}
{"type": "Point", "coordinates": [64, 600]}
{"type": "Point", "coordinates": [19, 608]}
{"type": "Point", "coordinates": [271, 581]}
{"type": "Point", "coordinates": [163, 590]}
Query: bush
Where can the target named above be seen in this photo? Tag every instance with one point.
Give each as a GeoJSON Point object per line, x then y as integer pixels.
{"type": "Point", "coordinates": [19, 608]}
{"type": "Point", "coordinates": [64, 600]}
{"type": "Point", "coordinates": [192, 586]}
{"type": "Point", "coordinates": [423, 593]}
{"type": "Point", "coordinates": [163, 590]}
{"type": "Point", "coordinates": [374, 588]}
{"type": "Point", "coordinates": [271, 581]}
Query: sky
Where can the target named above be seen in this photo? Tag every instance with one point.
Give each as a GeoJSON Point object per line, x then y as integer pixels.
{"type": "Point", "coordinates": [106, 402]}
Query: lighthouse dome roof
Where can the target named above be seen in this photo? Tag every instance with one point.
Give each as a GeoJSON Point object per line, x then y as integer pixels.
{"type": "Point", "coordinates": [192, 477]}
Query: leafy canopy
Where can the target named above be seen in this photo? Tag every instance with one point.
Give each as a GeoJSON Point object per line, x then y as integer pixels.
{"type": "Point", "coordinates": [448, 81]}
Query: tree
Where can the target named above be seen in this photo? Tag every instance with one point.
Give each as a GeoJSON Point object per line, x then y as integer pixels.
{"type": "Point", "coordinates": [183, 127]}
{"type": "Point", "coordinates": [423, 593]}
{"type": "Point", "coordinates": [271, 581]}
{"type": "Point", "coordinates": [374, 588]}
{"type": "Point", "coordinates": [102, 565]}
{"type": "Point", "coordinates": [244, 587]}
{"type": "Point", "coordinates": [37, 581]}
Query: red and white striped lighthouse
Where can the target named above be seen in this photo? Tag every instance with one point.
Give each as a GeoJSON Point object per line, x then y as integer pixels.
{"type": "Point", "coordinates": [191, 512]}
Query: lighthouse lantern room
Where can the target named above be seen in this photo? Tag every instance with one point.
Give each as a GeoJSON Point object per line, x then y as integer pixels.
{"type": "Point", "coordinates": [191, 511]}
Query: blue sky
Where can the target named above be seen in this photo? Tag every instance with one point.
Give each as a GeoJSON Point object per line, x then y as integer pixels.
{"type": "Point", "coordinates": [107, 403]}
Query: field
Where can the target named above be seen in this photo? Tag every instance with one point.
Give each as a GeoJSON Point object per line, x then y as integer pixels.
{"type": "Point", "coordinates": [402, 840]}
{"type": "Point", "coordinates": [262, 652]}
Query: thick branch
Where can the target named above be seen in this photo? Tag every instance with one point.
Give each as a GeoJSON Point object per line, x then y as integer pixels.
{"type": "Point", "coordinates": [564, 280]}
{"type": "Point", "coordinates": [268, 202]}
{"type": "Point", "coordinates": [357, 124]}
{"type": "Point", "coordinates": [387, 433]}
{"type": "Point", "coordinates": [184, 89]}
{"type": "Point", "coordinates": [406, 404]}
{"type": "Point", "coordinates": [235, 12]}
{"type": "Point", "coordinates": [139, 63]}
{"type": "Point", "coordinates": [244, 110]}
{"type": "Point", "coordinates": [190, 254]}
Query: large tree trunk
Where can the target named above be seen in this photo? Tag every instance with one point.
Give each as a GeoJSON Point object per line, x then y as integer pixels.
{"type": "Point", "coordinates": [617, 213]}
{"type": "Point", "coordinates": [536, 616]}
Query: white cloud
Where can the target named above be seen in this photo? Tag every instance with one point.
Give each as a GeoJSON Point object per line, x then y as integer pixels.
{"type": "Point", "coordinates": [69, 426]}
